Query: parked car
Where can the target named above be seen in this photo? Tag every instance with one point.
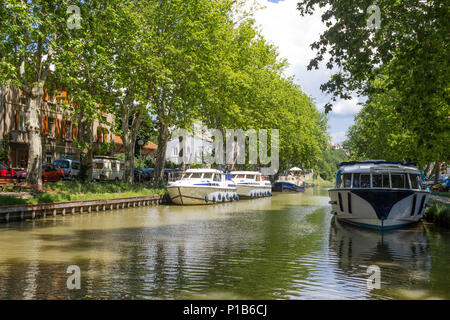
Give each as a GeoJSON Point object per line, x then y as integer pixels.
{"type": "Point", "coordinates": [445, 185]}
{"type": "Point", "coordinates": [70, 167]}
{"type": "Point", "coordinates": [107, 168]}
{"type": "Point", "coordinates": [6, 173]}
{"type": "Point", "coordinates": [50, 173]}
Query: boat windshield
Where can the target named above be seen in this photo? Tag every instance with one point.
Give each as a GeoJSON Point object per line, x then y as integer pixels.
{"type": "Point", "coordinates": [250, 176]}
{"type": "Point", "coordinates": [238, 176]}
{"type": "Point", "coordinates": [395, 180]}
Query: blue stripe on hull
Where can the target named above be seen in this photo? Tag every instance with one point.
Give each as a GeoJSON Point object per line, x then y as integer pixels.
{"type": "Point", "coordinates": [376, 227]}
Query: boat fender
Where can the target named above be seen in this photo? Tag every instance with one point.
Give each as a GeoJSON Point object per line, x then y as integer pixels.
{"type": "Point", "coordinates": [223, 198]}
{"type": "Point", "coordinates": [237, 197]}
{"type": "Point", "coordinates": [206, 199]}
{"type": "Point", "coordinates": [220, 196]}
{"type": "Point", "coordinates": [214, 199]}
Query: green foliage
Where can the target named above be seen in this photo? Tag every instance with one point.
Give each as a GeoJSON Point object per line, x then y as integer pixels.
{"type": "Point", "coordinates": [438, 212]}
{"type": "Point", "coordinates": [402, 67]}
{"type": "Point", "coordinates": [328, 163]}
{"type": "Point", "coordinates": [4, 151]}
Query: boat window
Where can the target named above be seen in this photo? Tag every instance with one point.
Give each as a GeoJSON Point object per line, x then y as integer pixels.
{"type": "Point", "coordinates": [207, 175]}
{"type": "Point", "coordinates": [380, 181]}
{"type": "Point", "coordinates": [415, 181]}
{"type": "Point", "coordinates": [347, 180]}
{"type": "Point", "coordinates": [196, 175]}
{"type": "Point", "coordinates": [238, 176]}
{"type": "Point", "coordinates": [364, 181]}
{"type": "Point", "coordinates": [217, 177]}
{"type": "Point", "coordinates": [258, 178]}
{"type": "Point", "coordinates": [250, 176]}
{"type": "Point", "coordinates": [356, 180]}
{"type": "Point", "coordinates": [399, 181]}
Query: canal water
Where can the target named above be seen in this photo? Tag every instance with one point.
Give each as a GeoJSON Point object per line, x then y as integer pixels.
{"type": "Point", "coordinates": [285, 247]}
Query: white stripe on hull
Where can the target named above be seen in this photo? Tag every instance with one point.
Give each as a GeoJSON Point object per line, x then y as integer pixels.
{"type": "Point", "coordinates": [249, 191]}
{"type": "Point", "coordinates": [191, 195]}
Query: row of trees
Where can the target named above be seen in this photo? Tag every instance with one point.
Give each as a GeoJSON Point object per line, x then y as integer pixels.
{"type": "Point", "coordinates": [398, 60]}
{"type": "Point", "coordinates": [171, 62]}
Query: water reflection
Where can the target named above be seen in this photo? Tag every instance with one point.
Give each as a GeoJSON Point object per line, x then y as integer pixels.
{"type": "Point", "coordinates": [284, 247]}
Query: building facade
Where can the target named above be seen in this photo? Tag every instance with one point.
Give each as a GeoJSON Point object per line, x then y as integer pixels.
{"type": "Point", "coordinates": [59, 129]}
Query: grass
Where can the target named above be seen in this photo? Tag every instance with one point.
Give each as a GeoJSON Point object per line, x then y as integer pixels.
{"type": "Point", "coordinates": [438, 212]}
{"type": "Point", "coordinates": [74, 191]}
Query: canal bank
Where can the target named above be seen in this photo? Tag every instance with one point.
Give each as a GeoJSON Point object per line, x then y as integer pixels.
{"type": "Point", "coordinates": [284, 247]}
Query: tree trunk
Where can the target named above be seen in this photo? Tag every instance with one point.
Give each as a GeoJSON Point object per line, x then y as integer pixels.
{"type": "Point", "coordinates": [427, 169]}
{"type": "Point", "coordinates": [437, 170]}
{"type": "Point", "coordinates": [86, 152]}
{"type": "Point", "coordinates": [163, 137]}
{"type": "Point", "coordinates": [34, 168]}
{"type": "Point", "coordinates": [129, 142]}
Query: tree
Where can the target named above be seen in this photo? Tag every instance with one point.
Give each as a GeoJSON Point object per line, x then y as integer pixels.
{"type": "Point", "coordinates": [29, 32]}
{"type": "Point", "coordinates": [407, 52]}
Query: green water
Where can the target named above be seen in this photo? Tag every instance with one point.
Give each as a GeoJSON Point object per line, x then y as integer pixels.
{"type": "Point", "coordinates": [284, 247]}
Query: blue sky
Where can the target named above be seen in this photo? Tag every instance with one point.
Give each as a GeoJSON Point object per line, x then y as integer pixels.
{"type": "Point", "coordinates": [282, 25]}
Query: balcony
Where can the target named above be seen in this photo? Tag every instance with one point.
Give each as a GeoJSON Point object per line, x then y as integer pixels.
{"type": "Point", "coordinates": [18, 136]}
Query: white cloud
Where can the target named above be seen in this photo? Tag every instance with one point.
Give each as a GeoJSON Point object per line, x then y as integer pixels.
{"type": "Point", "coordinates": [338, 137]}
{"type": "Point", "coordinates": [346, 107]}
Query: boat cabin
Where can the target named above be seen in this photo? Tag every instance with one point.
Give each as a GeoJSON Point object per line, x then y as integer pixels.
{"type": "Point", "coordinates": [378, 174]}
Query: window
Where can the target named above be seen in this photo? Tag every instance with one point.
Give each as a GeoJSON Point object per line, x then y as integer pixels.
{"type": "Point", "coordinates": [250, 176]}
{"type": "Point", "coordinates": [62, 163]}
{"type": "Point", "coordinates": [114, 166]}
{"type": "Point", "coordinates": [196, 175]}
{"type": "Point", "coordinates": [175, 151]}
{"type": "Point", "coordinates": [415, 181]}
{"type": "Point", "coordinates": [356, 180]}
{"type": "Point", "coordinates": [48, 157]}
{"type": "Point", "coordinates": [380, 181]}
{"type": "Point", "coordinates": [22, 122]}
{"type": "Point", "coordinates": [75, 165]}
{"type": "Point", "coordinates": [98, 165]}
{"type": "Point", "coordinates": [207, 175]}
{"type": "Point", "coordinates": [399, 181]}
{"type": "Point", "coordinates": [51, 127]}
{"type": "Point", "coordinates": [217, 177]}
{"type": "Point", "coordinates": [68, 133]}
{"type": "Point", "coordinates": [347, 179]}
{"type": "Point", "coordinates": [364, 181]}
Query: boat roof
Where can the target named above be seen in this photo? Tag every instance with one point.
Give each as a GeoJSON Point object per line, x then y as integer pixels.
{"type": "Point", "coordinates": [246, 172]}
{"type": "Point", "coordinates": [203, 171]}
{"type": "Point", "coordinates": [378, 165]}
{"type": "Point", "coordinates": [403, 163]}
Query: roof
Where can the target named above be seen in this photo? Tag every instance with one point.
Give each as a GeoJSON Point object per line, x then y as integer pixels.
{"type": "Point", "coordinates": [246, 172]}
{"type": "Point", "coordinates": [403, 163]}
{"type": "Point", "coordinates": [203, 171]}
{"type": "Point", "coordinates": [148, 145]}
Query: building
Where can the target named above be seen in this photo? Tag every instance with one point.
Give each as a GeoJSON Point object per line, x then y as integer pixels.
{"type": "Point", "coordinates": [147, 150]}
{"type": "Point", "coordinates": [59, 130]}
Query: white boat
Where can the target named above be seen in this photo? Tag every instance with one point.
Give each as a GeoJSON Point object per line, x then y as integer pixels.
{"type": "Point", "coordinates": [378, 194]}
{"type": "Point", "coordinates": [202, 186]}
{"type": "Point", "coordinates": [251, 184]}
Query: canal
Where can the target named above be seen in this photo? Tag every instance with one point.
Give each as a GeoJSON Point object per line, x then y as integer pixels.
{"type": "Point", "coordinates": [284, 247]}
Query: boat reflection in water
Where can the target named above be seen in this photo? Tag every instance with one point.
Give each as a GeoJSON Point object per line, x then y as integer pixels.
{"type": "Point", "coordinates": [403, 256]}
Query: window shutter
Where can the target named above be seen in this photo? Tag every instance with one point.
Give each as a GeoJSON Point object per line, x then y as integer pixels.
{"type": "Point", "coordinates": [105, 135]}
{"type": "Point", "coordinates": [74, 132]}
{"type": "Point", "coordinates": [17, 119]}
{"type": "Point", "coordinates": [63, 129]}
{"type": "Point", "coordinates": [56, 127]}
{"type": "Point", "coordinates": [44, 124]}
{"type": "Point", "coordinates": [99, 134]}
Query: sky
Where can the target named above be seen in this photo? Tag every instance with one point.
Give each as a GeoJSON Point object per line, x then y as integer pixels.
{"type": "Point", "coordinates": [281, 24]}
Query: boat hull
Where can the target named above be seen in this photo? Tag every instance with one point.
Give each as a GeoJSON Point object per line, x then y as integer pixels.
{"type": "Point", "coordinates": [200, 195]}
{"type": "Point", "coordinates": [380, 209]}
{"type": "Point", "coordinates": [287, 187]}
{"type": "Point", "coordinates": [253, 191]}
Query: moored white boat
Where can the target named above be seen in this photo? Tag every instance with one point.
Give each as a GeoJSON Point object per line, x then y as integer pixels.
{"type": "Point", "coordinates": [202, 186]}
{"type": "Point", "coordinates": [378, 194]}
{"type": "Point", "coordinates": [251, 184]}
